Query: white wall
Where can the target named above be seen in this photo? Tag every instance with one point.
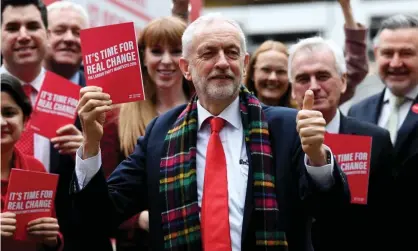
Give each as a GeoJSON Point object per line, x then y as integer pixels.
{"type": "Point", "coordinates": [117, 11]}
{"type": "Point", "coordinates": [323, 16]}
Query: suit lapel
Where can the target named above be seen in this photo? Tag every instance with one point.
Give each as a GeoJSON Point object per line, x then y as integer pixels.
{"type": "Point", "coordinates": [370, 111]}
{"type": "Point", "coordinates": [374, 109]}
{"type": "Point", "coordinates": [154, 152]}
{"type": "Point", "coordinates": [82, 80]}
{"type": "Point", "coordinates": [345, 127]}
{"type": "Point", "coordinates": [349, 126]}
{"type": "Point", "coordinates": [248, 207]}
{"type": "Point", "coordinates": [409, 125]}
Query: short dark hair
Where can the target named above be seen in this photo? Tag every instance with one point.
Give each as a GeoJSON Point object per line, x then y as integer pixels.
{"type": "Point", "coordinates": [13, 87]}
{"type": "Point", "coordinates": [38, 4]}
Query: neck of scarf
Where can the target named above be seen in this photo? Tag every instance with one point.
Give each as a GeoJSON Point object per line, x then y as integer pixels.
{"type": "Point", "coordinates": [178, 186]}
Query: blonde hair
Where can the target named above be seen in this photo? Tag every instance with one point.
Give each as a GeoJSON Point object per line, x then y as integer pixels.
{"type": "Point", "coordinates": [135, 116]}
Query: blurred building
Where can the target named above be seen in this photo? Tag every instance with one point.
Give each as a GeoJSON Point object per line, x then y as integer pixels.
{"type": "Point", "coordinates": [289, 20]}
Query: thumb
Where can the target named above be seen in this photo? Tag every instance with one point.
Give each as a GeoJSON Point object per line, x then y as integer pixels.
{"type": "Point", "coordinates": [308, 100]}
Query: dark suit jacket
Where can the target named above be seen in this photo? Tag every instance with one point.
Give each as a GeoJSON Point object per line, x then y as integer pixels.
{"type": "Point", "coordinates": [354, 230]}
{"type": "Point", "coordinates": [134, 186]}
{"type": "Point", "coordinates": [82, 80]}
{"type": "Point", "coordinates": [406, 155]}
{"type": "Point", "coordinates": [64, 166]}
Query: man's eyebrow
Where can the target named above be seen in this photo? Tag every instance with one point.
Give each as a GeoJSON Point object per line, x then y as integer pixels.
{"type": "Point", "coordinates": [300, 75]}
{"type": "Point", "coordinates": [13, 22]}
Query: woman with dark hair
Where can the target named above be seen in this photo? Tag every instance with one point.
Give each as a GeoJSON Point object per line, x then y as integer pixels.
{"type": "Point", "coordinates": [15, 111]}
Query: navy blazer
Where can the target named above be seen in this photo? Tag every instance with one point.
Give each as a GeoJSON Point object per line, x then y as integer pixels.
{"type": "Point", "coordinates": [406, 156]}
{"type": "Point", "coordinates": [362, 219]}
{"type": "Point", "coordinates": [63, 165]}
{"type": "Point", "coordinates": [82, 80]}
{"type": "Point", "coordinates": [134, 186]}
{"type": "Point", "coordinates": [406, 145]}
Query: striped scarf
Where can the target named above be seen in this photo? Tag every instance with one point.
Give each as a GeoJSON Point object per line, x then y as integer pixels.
{"type": "Point", "coordinates": [178, 186]}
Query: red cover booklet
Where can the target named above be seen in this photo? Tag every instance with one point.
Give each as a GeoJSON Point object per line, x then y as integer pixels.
{"type": "Point", "coordinates": [111, 61]}
{"type": "Point", "coordinates": [56, 105]}
{"type": "Point", "coordinates": [30, 195]}
{"type": "Point", "coordinates": [353, 154]}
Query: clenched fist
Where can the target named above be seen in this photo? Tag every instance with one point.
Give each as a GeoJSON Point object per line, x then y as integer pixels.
{"type": "Point", "coordinates": [311, 128]}
{"type": "Point", "coordinates": [92, 109]}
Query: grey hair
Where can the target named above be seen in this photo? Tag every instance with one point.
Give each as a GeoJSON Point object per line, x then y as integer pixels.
{"type": "Point", "coordinates": [59, 5]}
{"type": "Point", "coordinates": [314, 43]}
{"type": "Point", "coordinates": [204, 20]}
{"type": "Point", "coordinates": [400, 21]}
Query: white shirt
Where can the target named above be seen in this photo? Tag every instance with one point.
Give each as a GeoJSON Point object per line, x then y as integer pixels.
{"type": "Point", "coordinates": [403, 109]}
{"type": "Point", "coordinates": [75, 78]}
{"type": "Point", "coordinates": [237, 175]}
{"type": "Point", "coordinates": [334, 125]}
{"type": "Point", "coordinates": [41, 149]}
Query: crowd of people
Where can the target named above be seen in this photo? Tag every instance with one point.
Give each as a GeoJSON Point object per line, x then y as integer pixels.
{"type": "Point", "coordinates": [227, 152]}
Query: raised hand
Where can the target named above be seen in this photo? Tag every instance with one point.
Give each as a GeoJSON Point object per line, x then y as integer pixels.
{"type": "Point", "coordinates": [348, 14]}
{"type": "Point", "coordinates": [92, 109]}
{"type": "Point", "coordinates": [181, 9]}
{"type": "Point", "coordinates": [143, 220]}
{"type": "Point", "coordinates": [311, 128]}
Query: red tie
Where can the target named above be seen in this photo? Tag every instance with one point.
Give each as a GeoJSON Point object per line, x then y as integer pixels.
{"type": "Point", "coordinates": [214, 212]}
{"type": "Point", "coordinates": [25, 143]}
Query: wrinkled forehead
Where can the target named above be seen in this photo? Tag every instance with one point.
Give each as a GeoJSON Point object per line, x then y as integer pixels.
{"type": "Point", "coordinates": [66, 16]}
{"type": "Point", "coordinates": [405, 37]}
{"type": "Point", "coordinates": [217, 33]}
{"type": "Point", "coordinates": [307, 61]}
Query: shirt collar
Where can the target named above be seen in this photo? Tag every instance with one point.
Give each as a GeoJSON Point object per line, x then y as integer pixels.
{"type": "Point", "coordinates": [36, 83]}
{"type": "Point", "coordinates": [411, 95]}
{"type": "Point", "coordinates": [334, 125]}
{"type": "Point", "coordinates": [75, 78]}
{"type": "Point", "coordinates": [231, 114]}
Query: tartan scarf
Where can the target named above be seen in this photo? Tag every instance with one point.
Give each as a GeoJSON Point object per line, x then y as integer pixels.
{"type": "Point", "coordinates": [178, 186]}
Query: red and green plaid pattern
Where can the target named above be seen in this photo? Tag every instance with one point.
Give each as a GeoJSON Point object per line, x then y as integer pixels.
{"type": "Point", "coordinates": [180, 215]}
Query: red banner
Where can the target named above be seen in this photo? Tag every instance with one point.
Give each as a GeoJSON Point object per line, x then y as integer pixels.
{"type": "Point", "coordinates": [48, 2]}
{"type": "Point", "coordinates": [56, 105]}
{"type": "Point", "coordinates": [111, 61]}
{"type": "Point", "coordinates": [353, 156]}
{"type": "Point", "coordinates": [30, 200]}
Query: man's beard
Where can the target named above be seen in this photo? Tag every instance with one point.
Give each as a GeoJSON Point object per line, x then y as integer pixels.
{"type": "Point", "coordinates": [216, 91]}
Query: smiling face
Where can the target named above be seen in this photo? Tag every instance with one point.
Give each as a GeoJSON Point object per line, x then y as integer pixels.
{"type": "Point", "coordinates": [23, 38]}
{"type": "Point", "coordinates": [397, 59]}
{"type": "Point", "coordinates": [64, 36]}
{"type": "Point", "coordinates": [316, 71]}
{"type": "Point", "coordinates": [162, 64]}
{"type": "Point", "coordinates": [216, 62]}
{"type": "Point", "coordinates": [12, 122]}
{"type": "Point", "coordinates": [160, 50]}
{"type": "Point", "coordinates": [270, 76]}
